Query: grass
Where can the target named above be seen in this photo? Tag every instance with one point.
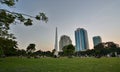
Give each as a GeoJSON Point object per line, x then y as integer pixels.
{"type": "Point", "coordinates": [14, 64]}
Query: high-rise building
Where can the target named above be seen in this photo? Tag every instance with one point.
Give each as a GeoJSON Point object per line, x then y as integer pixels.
{"type": "Point", "coordinates": [64, 40]}
{"type": "Point", "coordinates": [97, 40]}
{"type": "Point", "coordinates": [81, 39]}
{"type": "Point", "coordinates": [56, 41]}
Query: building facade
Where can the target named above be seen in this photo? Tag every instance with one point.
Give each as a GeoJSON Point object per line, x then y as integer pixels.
{"type": "Point", "coordinates": [97, 40]}
{"type": "Point", "coordinates": [81, 39]}
{"type": "Point", "coordinates": [64, 40]}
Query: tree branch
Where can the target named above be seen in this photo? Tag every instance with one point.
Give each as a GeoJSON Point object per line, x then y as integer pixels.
{"type": "Point", "coordinates": [17, 13]}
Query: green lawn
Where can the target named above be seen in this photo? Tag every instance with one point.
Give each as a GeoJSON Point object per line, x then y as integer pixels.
{"type": "Point", "coordinates": [14, 64]}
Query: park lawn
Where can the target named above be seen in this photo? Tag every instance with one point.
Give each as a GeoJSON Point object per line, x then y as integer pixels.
{"type": "Point", "coordinates": [14, 64]}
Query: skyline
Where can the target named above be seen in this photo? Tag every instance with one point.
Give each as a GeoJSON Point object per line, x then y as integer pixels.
{"type": "Point", "coordinates": [98, 17]}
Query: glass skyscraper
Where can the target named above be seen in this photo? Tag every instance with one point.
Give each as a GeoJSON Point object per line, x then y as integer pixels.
{"type": "Point", "coordinates": [97, 40]}
{"type": "Point", "coordinates": [81, 39]}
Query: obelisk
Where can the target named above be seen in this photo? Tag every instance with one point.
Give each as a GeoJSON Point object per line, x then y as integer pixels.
{"type": "Point", "coordinates": [56, 43]}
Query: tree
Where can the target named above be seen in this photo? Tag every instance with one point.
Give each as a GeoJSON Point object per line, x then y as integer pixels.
{"type": "Point", "coordinates": [69, 50]}
{"type": "Point", "coordinates": [102, 49]}
{"type": "Point", "coordinates": [111, 45]}
{"type": "Point", "coordinates": [30, 49]}
{"type": "Point", "coordinates": [39, 52]}
{"type": "Point", "coordinates": [7, 18]}
{"type": "Point", "coordinates": [21, 52]}
{"type": "Point", "coordinates": [1, 51]}
{"type": "Point", "coordinates": [99, 46]}
{"type": "Point", "coordinates": [106, 45]}
{"type": "Point", "coordinates": [53, 51]}
{"type": "Point", "coordinates": [48, 53]}
{"type": "Point", "coordinates": [8, 46]}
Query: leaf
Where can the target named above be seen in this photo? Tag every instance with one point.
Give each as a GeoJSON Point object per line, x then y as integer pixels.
{"type": "Point", "coordinates": [28, 22]}
{"type": "Point", "coordinates": [37, 17]}
{"type": "Point", "coordinates": [9, 2]}
{"type": "Point", "coordinates": [20, 17]}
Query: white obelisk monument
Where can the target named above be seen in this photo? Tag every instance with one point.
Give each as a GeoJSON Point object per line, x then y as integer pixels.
{"type": "Point", "coordinates": [56, 44]}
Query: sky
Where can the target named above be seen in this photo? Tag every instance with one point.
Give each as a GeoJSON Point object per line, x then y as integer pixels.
{"type": "Point", "coordinates": [98, 17]}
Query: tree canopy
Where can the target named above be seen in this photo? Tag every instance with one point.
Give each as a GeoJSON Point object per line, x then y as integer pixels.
{"type": "Point", "coordinates": [8, 47]}
{"type": "Point", "coordinates": [7, 43]}
{"type": "Point", "coordinates": [69, 50]}
{"type": "Point", "coordinates": [31, 48]}
{"type": "Point", "coordinates": [7, 17]}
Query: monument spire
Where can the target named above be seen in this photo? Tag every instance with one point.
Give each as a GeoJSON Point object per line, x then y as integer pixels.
{"type": "Point", "coordinates": [56, 41]}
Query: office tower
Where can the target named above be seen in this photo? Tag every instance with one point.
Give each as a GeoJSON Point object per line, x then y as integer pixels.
{"type": "Point", "coordinates": [64, 40]}
{"type": "Point", "coordinates": [56, 41]}
{"type": "Point", "coordinates": [97, 40]}
{"type": "Point", "coordinates": [81, 39]}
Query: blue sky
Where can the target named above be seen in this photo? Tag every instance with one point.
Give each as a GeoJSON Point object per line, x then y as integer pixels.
{"type": "Point", "coordinates": [98, 17]}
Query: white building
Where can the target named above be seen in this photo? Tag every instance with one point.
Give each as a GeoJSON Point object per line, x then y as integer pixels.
{"type": "Point", "coordinates": [64, 40]}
